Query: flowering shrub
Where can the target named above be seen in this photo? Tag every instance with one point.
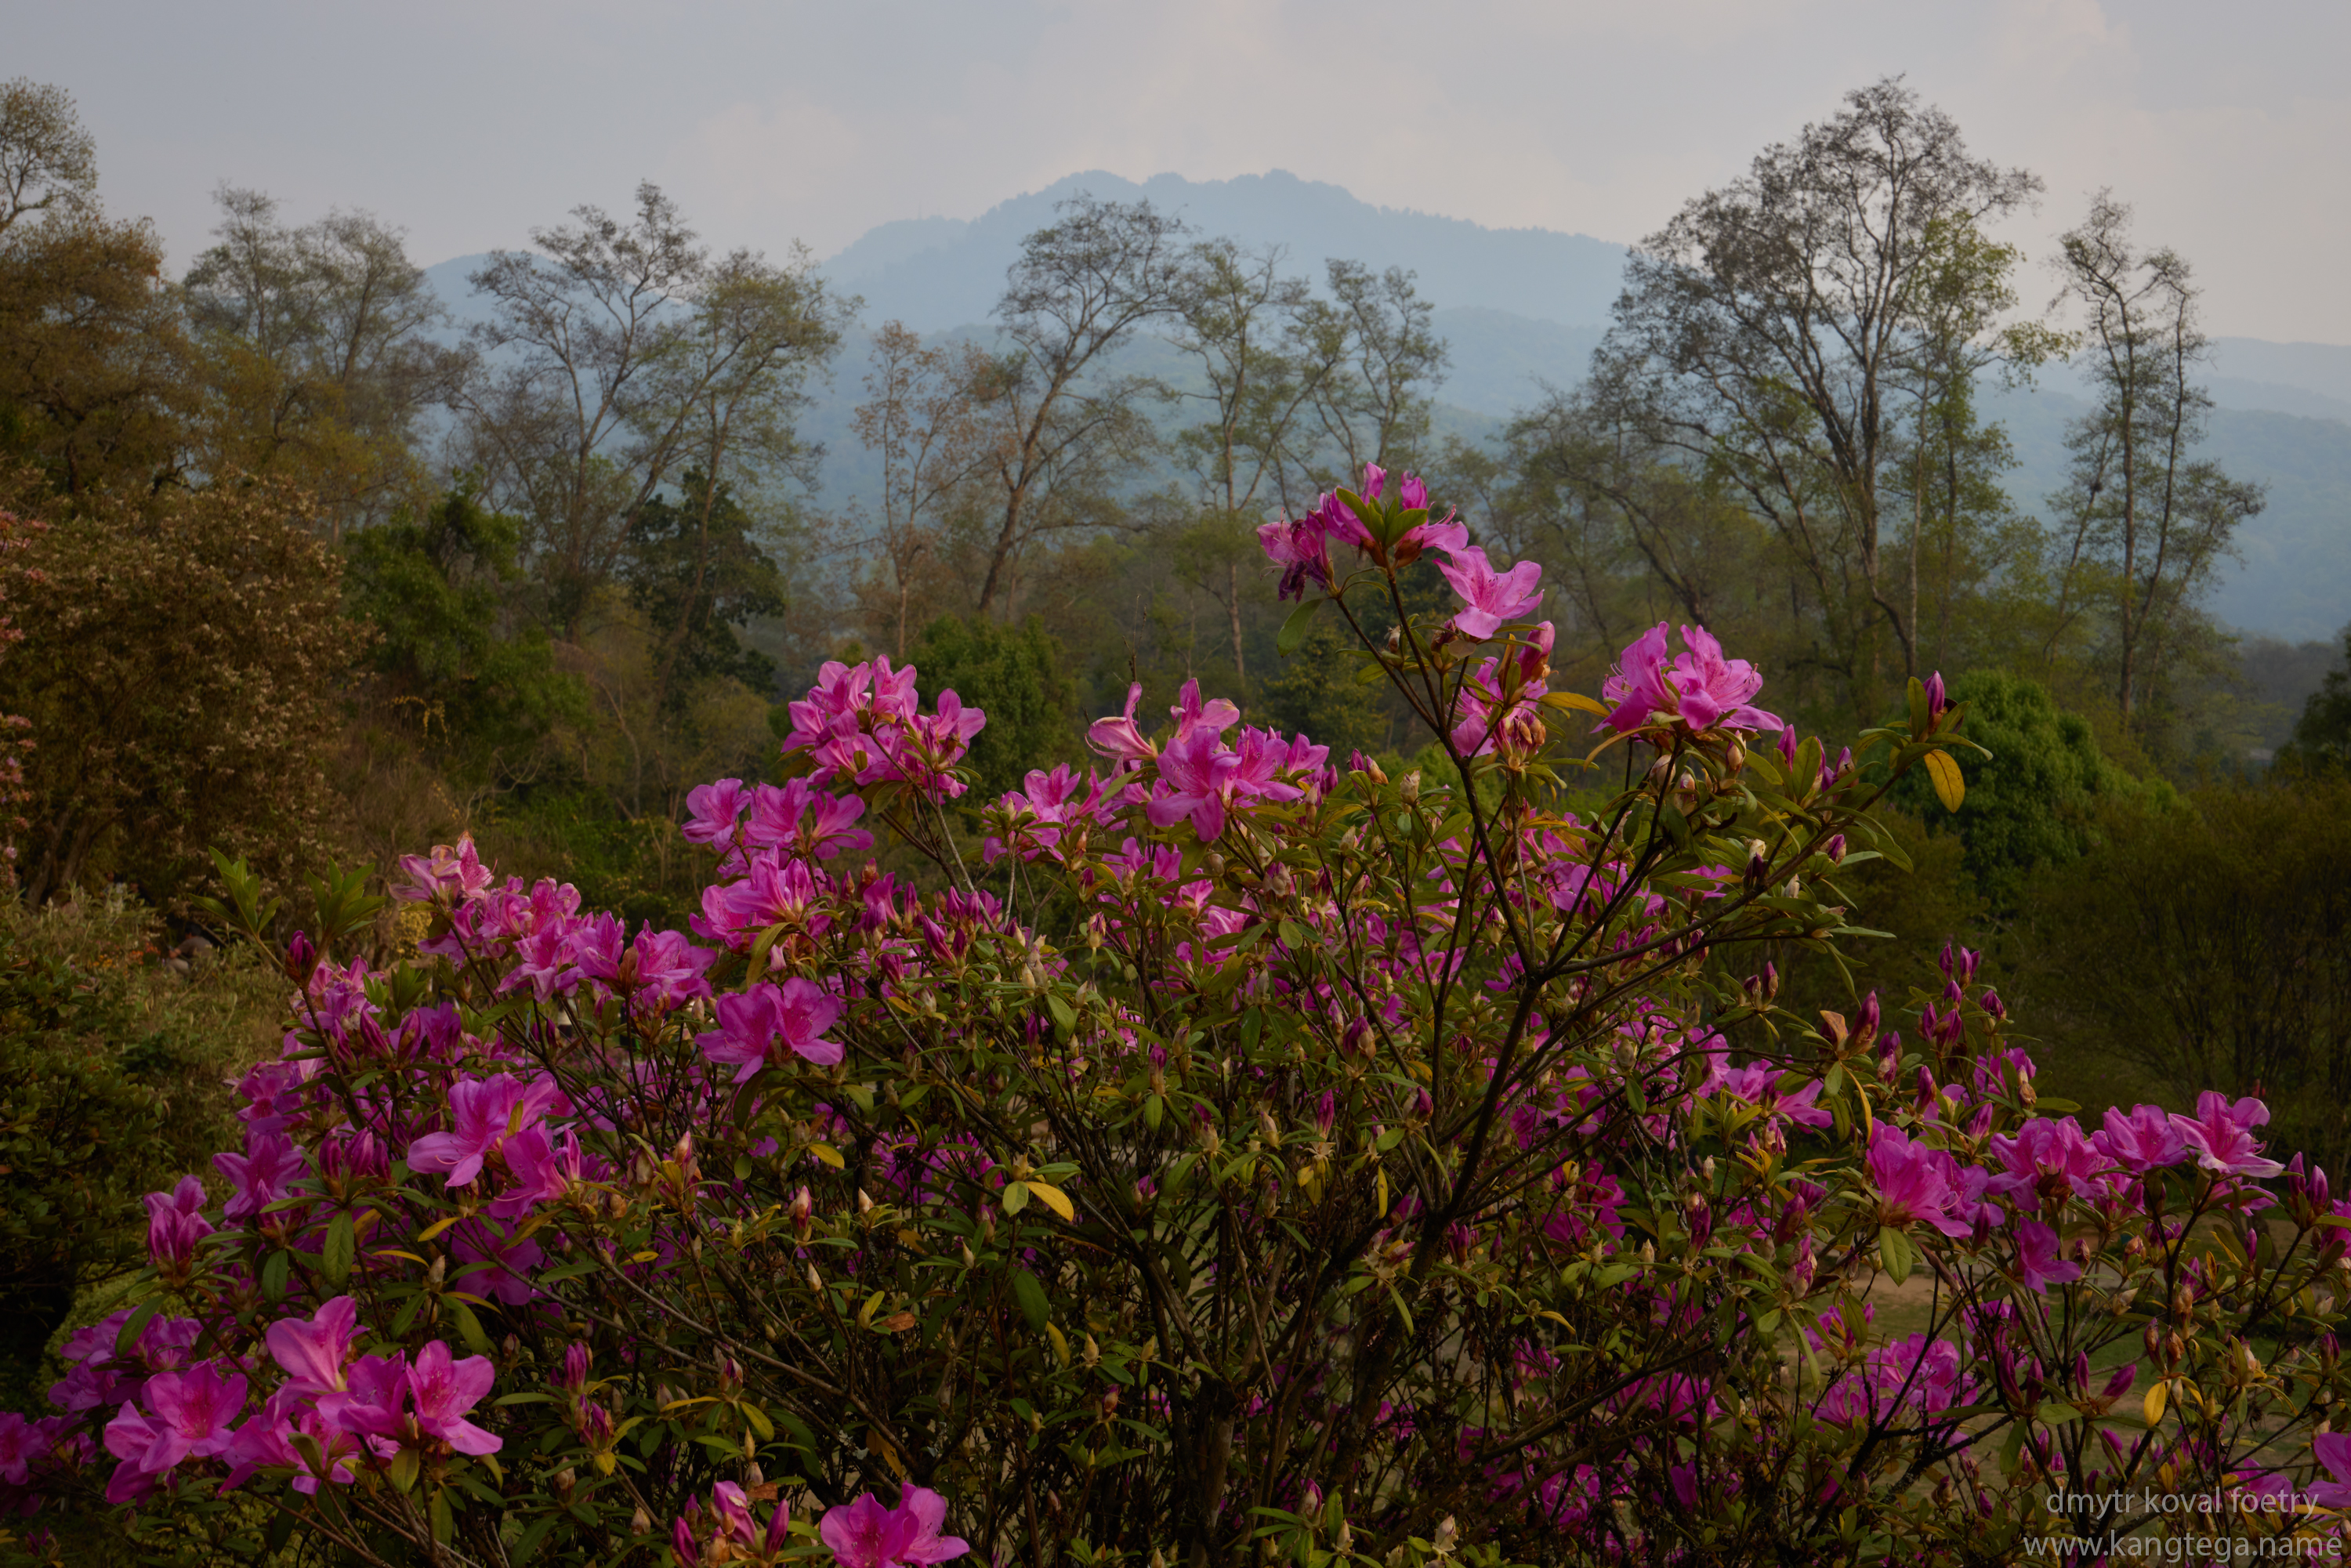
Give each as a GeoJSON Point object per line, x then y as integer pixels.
{"type": "Point", "coordinates": [1240, 1152]}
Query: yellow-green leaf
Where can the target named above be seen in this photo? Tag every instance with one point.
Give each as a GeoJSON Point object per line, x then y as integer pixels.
{"type": "Point", "coordinates": [2156, 1399]}
{"type": "Point", "coordinates": [829, 1155]}
{"type": "Point", "coordinates": [1949, 787]}
{"type": "Point", "coordinates": [1016, 1197]}
{"type": "Point", "coordinates": [437, 1227]}
{"type": "Point", "coordinates": [1053, 1198]}
{"type": "Point", "coordinates": [1575, 700]}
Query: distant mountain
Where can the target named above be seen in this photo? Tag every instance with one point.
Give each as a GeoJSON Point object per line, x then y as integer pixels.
{"type": "Point", "coordinates": [1520, 309]}
{"type": "Point", "coordinates": [938, 273]}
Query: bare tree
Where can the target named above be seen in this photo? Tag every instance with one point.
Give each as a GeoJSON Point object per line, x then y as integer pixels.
{"type": "Point", "coordinates": [48, 161]}
{"type": "Point", "coordinates": [1771, 330]}
{"type": "Point", "coordinates": [621, 353]}
{"type": "Point", "coordinates": [1064, 431]}
{"type": "Point", "coordinates": [2155, 520]}
{"type": "Point", "coordinates": [1371, 359]}
{"type": "Point", "coordinates": [920, 417]}
{"type": "Point", "coordinates": [1237, 322]}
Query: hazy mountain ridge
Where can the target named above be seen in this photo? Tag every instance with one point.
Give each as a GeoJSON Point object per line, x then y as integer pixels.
{"type": "Point", "coordinates": [1521, 309]}
{"type": "Point", "coordinates": [939, 273]}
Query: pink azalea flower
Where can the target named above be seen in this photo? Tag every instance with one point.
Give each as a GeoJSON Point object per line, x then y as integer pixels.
{"type": "Point", "coordinates": [806, 819]}
{"type": "Point", "coordinates": [2141, 1140]}
{"type": "Point", "coordinates": [2046, 1154]}
{"type": "Point", "coordinates": [314, 1352]}
{"type": "Point", "coordinates": [2037, 1258]}
{"type": "Point", "coordinates": [1916, 1182]}
{"type": "Point", "coordinates": [2221, 1136]}
{"type": "Point", "coordinates": [175, 1223]}
{"type": "Point", "coordinates": [1193, 772]}
{"type": "Point", "coordinates": [2334, 1451]}
{"type": "Point", "coordinates": [447, 875]}
{"type": "Point", "coordinates": [486, 1112]}
{"type": "Point", "coordinates": [1120, 738]}
{"type": "Point", "coordinates": [751, 1024]}
{"type": "Point", "coordinates": [864, 1535]}
{"type": "Point", "coordinates": [1490, 598]}
{"type": "Point", "coordinates": [1191, 715]}
{"type": "Point", "coordinates": [1700, 687]}
{"type": "Point", "coordinates": [191, 1414]}
{"type": "Point", "coordinates": [712, 812]}
{"type": "Point", "coordinates": [669, 970]}
{"type": "Point", "coordinates": [265, 1172]}
{"type": "Point", "coordinates": [438, 1390]}
{"type": "Point", "coordinates": [267, 1440]}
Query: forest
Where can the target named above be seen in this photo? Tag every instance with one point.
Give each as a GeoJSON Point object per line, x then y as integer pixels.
{"type": "Point", "coordinates": [299, 576]}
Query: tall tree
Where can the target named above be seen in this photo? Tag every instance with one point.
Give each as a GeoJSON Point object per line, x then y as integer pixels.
{"type": "Point", "coordinates": [2154, 521]}
{"type": "Point", "coordinates": [319, 356]}
{"type": "Point", "coordinates": [49, 161]}
{"type": "Point", "coordinates": [1371, 361]}
{"type": "Point", "coordinates": [1773, 332]}
{"type": "Point", "coordinates": [620, 352]}
{"type": "Point", "coordinates": [1065, 429]}
{"type": "Point", "coordinates": [921, 418]}
{"type": "Point", "coordinates": [95, 382]}
{"type": "Point", "coordinates": [1237, 323]}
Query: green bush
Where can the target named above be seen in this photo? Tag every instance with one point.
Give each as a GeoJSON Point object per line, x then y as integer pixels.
{"type": "Point", "coordinates": [1019, 677]}
{"type": "Point", "coordinates": [113, 1081]}
{"type": "Point", "coordinates": [2033, 801]}
{"type": "Point", "coordinates": [2210, 947]}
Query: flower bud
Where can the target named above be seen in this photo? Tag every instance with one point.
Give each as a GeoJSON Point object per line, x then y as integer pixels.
{"type": "Point", "coordinates": [1936, 700]}
{"type": "Point", "coordinates": [301, 957]}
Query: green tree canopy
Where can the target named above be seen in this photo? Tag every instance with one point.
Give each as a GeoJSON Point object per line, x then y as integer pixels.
{"type": "Point", "coordinates": [1018, 675]}
{"type": "Point", "coordinates": [2032, 801]}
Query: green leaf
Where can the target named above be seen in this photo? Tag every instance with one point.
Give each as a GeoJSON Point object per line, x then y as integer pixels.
{"type": "Point", "coordinates": [335, 1256]}
{"type": "Point", "coordinates": [136, 1324]}
{"type": "Point", "coordinates": [1030, 1295]}
{"type": "Point", "coordinates": [1065, 1019]}
{"type": "Point", "coordinates": [532, 1539]}
{"type": "Point", "coordinates": [1894, 1251]}
{"type": "Point", "coordinates": [1951, 788]}
{"type": "Point", "coordinates": [1016, 1197]}
{"type": "Point", "coordinates": [1292, 635]}
{"type": "Point", "coordinates": [469, 1327]}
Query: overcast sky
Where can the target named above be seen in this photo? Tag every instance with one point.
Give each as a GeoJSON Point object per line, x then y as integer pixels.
{"type": "Point", "coordinates": [2226, 124]}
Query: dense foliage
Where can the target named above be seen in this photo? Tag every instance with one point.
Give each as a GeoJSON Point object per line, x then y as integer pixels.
{"type": "Point", "coordinates": [111, 1083]}
{"type": "Point", "coordinates": [1251, 1149]}
{"type": "Point", "coordinates": [179, 668]}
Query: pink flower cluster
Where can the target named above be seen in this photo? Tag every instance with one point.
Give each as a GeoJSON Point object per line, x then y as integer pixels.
{"type": "Point", "coordinates": [353, 1410]}
{"type": "Point", "coordinates": [1193, 774]}
{"type": "Point", "coordinates": [1491, 597]}
{"type": "Point", "coordinates": [1697, 688]}
{"type": "Point", "coordinates": [864, 724]}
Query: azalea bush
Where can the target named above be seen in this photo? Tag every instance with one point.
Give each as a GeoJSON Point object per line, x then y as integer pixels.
{"type": "Point", "coordinates": [1227, 1152]}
